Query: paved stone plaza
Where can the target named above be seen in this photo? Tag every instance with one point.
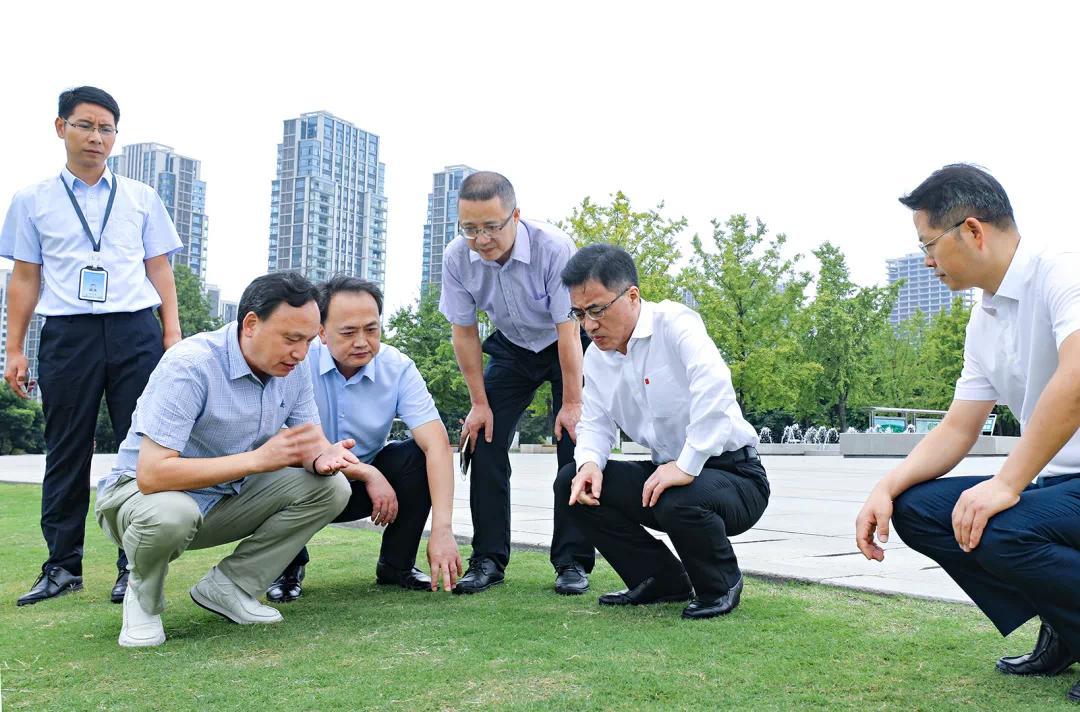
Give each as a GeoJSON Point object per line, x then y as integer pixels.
{"type": "Point", "coordinates": [807, 532]}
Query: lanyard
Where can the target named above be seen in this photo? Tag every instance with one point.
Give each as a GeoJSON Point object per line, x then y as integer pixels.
{"type": "Point", "coordinates": [96, 244]}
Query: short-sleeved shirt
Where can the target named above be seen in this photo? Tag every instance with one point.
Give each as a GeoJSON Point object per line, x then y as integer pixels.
{"type": "Point", "coordinates": [203, 400]}
{"type": "Point", "coordinates": [364, 407]}
{"type": "Point", "coordinates": [1013, 336]}
{"type": "Point", "coordinates": [42, 228]}
{"type": "Point", "coordinates": [524, 298]}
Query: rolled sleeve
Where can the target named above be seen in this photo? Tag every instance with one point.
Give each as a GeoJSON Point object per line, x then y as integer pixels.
{"type": "Point", "coordinates": [159, 234]}
{"type": "Point", "coordinates": [415, 405]}
{"type": "Point", "coordinates": [455, 302]}
{"type": "Point", "coordinates": [19, 238]}
{"type": "Point", "coordinates": [174, 398]}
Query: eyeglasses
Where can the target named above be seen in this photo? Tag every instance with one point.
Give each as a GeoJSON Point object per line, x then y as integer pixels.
{"type": "Point", "coordinates": [927, 247]}
{"type": "Point", "coordinates": [594, 313]}
{"type": "Point", "coordinates": [86, 127]}
{"type": "Point", "coordinates": [471, 232]}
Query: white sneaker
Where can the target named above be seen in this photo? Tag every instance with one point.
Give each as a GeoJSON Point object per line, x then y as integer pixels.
{"type": "Point", "coordinates": [140, 629]}
{"type": "Point", "coordinates": [217, 594]}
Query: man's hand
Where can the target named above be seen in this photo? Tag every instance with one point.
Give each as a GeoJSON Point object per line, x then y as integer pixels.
{"type": "Point", "coordinates": [171, 338]}
{"type": "Point", "coordinates": [479, 417]}
{"type": "Point", "coordinates": [976, 507]}
{"type": "Point", "coordinates": [17, 374]}
{"type": "Point", "coordinates": [444, 559]}
{"type": "Point", "coordinates": [567, 419]}
{"type": "Point", "coordinates": [336, 458]}
{"type": "Point", "coordinates": [587, 485]}
{"type": "Point", "coordinates": [289, 447]}
{"type": "Point", "coordinates": [874, 517]}
{"type": "Point", "coordinates": [667, 475]}
{"type": "Point", "coordinates": [384, 504]}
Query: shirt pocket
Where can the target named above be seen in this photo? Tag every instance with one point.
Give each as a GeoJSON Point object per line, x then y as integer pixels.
{"type": "Point", "coordinates": [125, 233]}
{"type": "Point", "coordinates": [662, 392]}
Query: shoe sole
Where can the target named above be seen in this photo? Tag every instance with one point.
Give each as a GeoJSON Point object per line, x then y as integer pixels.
{"type": "Point", "coordinates": [130, 643]}
{"type": "Point", "coordinates": [469, 591]}
{"type": "Point", "coordinates": [662, 599]}
{"type": "Point", "coordinates": [210, 607]}
{"type": "Point", "coordinates": [711, 615]}
{"type": "Point", "coordinates": [1073, 696]}
{"type": "Point", "coordinates": [71, 588]}
{"type": "Point", "coordinates": [401, 585]}
{"type": "Point", "coordinates": [571, 592]}
{"type": "Point", "coordinates": [1050, 673]}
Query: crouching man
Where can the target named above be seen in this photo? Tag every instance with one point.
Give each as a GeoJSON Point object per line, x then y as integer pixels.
{"type": "Point", "coordinates": [207, 461]}
{"type": "Point", "coordinates": [653, 371]}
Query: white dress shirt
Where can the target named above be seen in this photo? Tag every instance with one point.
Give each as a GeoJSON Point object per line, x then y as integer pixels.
{"type": "Point", "coordinates": [670, 392]}
{"type": "Point", "coordinates": [1013, 336]}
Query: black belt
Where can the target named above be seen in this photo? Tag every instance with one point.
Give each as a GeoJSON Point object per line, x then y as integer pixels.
{"type": "Point", "coordinates": [734, 457]}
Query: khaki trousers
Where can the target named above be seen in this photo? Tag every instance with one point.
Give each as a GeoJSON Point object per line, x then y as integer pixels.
{"type": "Point", "coordinates": [274, 516]}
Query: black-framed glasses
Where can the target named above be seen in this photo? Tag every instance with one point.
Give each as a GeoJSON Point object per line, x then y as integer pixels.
{"type": "Point", "coordinates": [596, 313]}
{"type": "Point", "coordinates": [471, 232]}
{"type": "Point", "coordinates": [927, 247]}
{"type": "Point", "coordinates": [87, 127]}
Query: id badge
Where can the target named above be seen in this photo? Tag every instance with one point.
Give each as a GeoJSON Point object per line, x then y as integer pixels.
{"type": "Point", "coordinates": [93, 284]}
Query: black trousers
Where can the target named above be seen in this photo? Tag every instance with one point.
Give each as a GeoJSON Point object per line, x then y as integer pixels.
{"type": "Point", "coordinates": [1027, 562]}
{"type": "Point", "coordinates": [80, 358]}
{"type": "Point", "coordinates": [511, 379]}
{"type": "Point", "coordinates": [725, 499]}
{"type": "Point", "coordinates": [405, 468]}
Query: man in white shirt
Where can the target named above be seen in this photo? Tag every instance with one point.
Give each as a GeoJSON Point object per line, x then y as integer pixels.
{"type": "Point", "coordinates": [1012, 544]}
{"type": "Point", "coordinates": [653, 371]}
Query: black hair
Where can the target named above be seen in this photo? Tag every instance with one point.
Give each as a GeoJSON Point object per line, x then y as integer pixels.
{"type": "Point", "coordinates": [266, 293]}
{"type": "Point", "coordinates": [612, 266]}
{"type": "Point", "coordinates": [959, 191]}
{"type": "Point", "coordinates": [87, 95]}
{"type": "Point", "coordinates": [345, 283]}
{"type": "Point", "coordinates": [485, 185]}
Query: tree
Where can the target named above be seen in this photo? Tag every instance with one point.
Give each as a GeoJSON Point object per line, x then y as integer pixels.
{"type": "Point", "coordinates": [893, 372]}
{"type": "Point", "coordinates": [648, 236]}
{"type": "Point", "coordinates": [423, 333]}
{"type": "Point", "coordinates": [749, 295]}
{"type": "Point", "coordinates": [22, 424]}
{"type": "Point", "coordinates": [838, 328]}
{"type": "Point", "coordinates": [193, 305]}
{"type": "Point", "coordinates": [942, 356]}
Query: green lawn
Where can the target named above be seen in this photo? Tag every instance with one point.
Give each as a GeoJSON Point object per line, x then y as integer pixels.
{"type": "Point", "coordinates": [351, 645]}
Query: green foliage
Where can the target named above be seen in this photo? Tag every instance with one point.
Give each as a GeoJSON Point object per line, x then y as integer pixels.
{"type": "Point", "coordinates": [22, 424]}
{"type": "Point", "coordinates": [192, 304]}
{"type": "Point", "coordinates": [423, 334]}
{"type": "Point", "coordinates": [104, 437]}
{"type": "Point", "coordinates": [648, 236]}
{"type": "Point", "coordinates": [748, 295]}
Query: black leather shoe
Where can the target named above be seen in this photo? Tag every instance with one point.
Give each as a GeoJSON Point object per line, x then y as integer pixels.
{"type": "Point", "coordinates": [711, 607]}
{"type": "Point", "coordinates": [654, 589]}
{"type": "Point", "coordinates": [413, 579]}
{"type": "Point", "coordinates": [571, 580]}
{"type": "Point", "coordinates": [483, 573]}
{"type": "Point", "coordinates": [1050, 656]}
{"type": "Point", "coordinates": [52, 582]}
{"type": "Point", "coordinates": [120, 587]}
{"type": "Point", "coordinates": [286, 587]}
{"type": "Point", "coordinates": [1074, 693]}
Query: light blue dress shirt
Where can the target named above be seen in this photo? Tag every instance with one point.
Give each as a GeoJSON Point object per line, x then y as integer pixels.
{"type": "Point", "coordinates": [364, 407]}
{"type": "Point", "coordinates": [42, 227]}
{"type": "Point", "coordinates": [203, 401]}
{"type": "Point", "coordinates": [524, 298]}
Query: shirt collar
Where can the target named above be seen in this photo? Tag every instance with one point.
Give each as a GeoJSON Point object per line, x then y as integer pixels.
{"type": "Point", "coordinates": [1012, 284]}
{"type": "Point", "coordinates": [71, 179]}
{"type": "Point", "coordinates": [238, 365]}
{"type": "Point", "coordinates": [522, 250]}
{"type": "Point", "coordinates": [328, 365]}
{"type": "Point", "coordinates": [644, 327]}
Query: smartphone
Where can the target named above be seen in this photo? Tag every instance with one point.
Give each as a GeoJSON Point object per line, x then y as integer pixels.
{"type": "Point", "coordinates": [466, 457]}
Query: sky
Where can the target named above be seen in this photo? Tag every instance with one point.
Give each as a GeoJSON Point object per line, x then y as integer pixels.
{"type": "Point", "coordinates": [813, 117]}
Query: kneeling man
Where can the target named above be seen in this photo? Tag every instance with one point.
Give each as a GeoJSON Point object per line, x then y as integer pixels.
{"type": "Point", "coordinates": [207, 461]}
{"type": "Point", "coordinates": [361, 386]}
{"type": "Point", "coordinates": [653, 371]}
{"type": "Point", "coordinates": [1011, 541]}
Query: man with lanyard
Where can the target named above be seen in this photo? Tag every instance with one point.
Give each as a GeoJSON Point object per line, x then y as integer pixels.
{"type": "Point", "coordinates": [509, 268]}
{"type": "Point", "coordinates": [96, 247]}
{"type": "Point", "coordinates": [361, 385]}
{"type": "Point", "coordinates": [1011, 540]}
{"type": "Point", "coordinates": [654, 372]}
